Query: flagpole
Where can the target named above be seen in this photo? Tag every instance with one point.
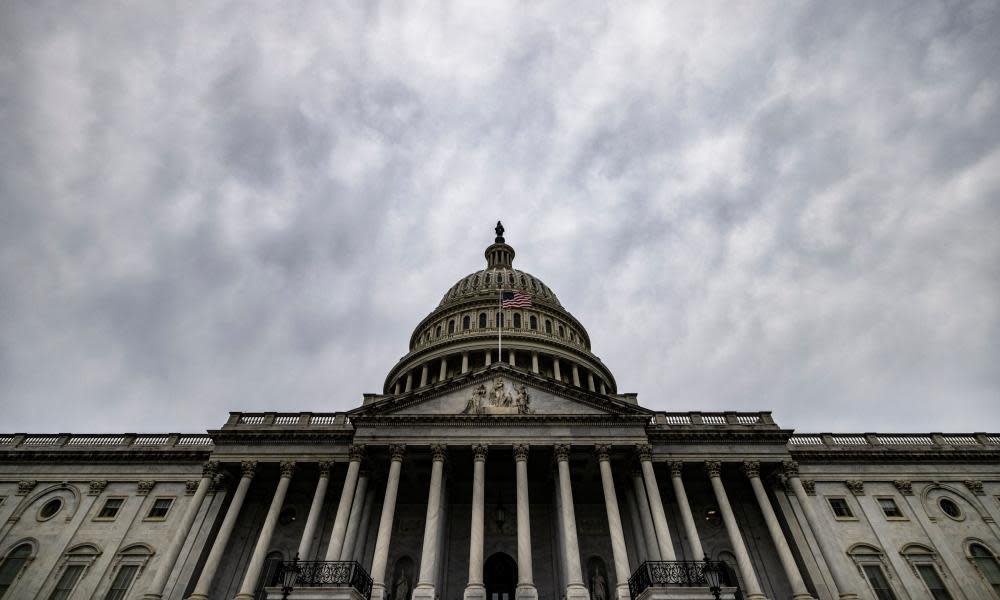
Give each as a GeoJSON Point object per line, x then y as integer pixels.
{"type": "Point", "coordinates": [500, 329]}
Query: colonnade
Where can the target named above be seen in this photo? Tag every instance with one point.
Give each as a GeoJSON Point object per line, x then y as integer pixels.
{"type": "Point", "coordinates": [653, 541]}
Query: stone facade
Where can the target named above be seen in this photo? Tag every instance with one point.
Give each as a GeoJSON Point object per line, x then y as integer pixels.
{"type": "Point", "coordinates": [517, 472]}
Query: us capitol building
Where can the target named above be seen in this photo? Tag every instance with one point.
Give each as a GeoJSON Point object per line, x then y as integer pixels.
{"type": "Point", "coordinates": [517, 472]}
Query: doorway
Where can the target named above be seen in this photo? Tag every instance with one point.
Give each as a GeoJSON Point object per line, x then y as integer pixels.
{"type": "Point", "coordinates": [500, 573]}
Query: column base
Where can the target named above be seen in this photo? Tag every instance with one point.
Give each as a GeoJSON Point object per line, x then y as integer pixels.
{"type": "Point", "coordinates": [244, 597]}
{"type": "Point", "coordinates": [314, 593]}
{"type": "Point", "coordinates": [686, 593]}
{"type": "Point", "coordinates": [525, 591]}
{"type": "Point", "coordinates": [803, 596]}
{"type": "Point", "coordinates": [622, 592]}
{"type": "Point", "coordinates": [198, 597]}
{"type": "Point", "coordinates": [755, 597]}
{"type": "Point", "coordinates": [849, 596]}
{"type": "Point", "coordinates": [577, 591]}
{"type": "Point", "coordinates": [423, 591]}
{"type": "Point", "coordinates": [473, 591]}
{"type": "Point", "coordinates": [152, 596]}
{"type": "Point", "coordinates": [378, 591]}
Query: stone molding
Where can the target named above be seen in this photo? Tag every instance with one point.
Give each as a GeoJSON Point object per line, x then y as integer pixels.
{"type": "Point", "coordinates": [975, 486]}
{"type": "Point", "coordinates": [752, 468]}
{"type": "Point", "coordinates": [94, 488]}
{"type": "Point", "coordinates": [904, 487]}
{"type": "Point", "coordinates": [521, 452]}
{"type": "Point", "coordinates": [24, 487]}
{"type": "Point", "coordinates": [856, 486]}
{"type": "Point", "coordinates": [713, 468]}
{"type": "Point", "coordinates": [144, 487]}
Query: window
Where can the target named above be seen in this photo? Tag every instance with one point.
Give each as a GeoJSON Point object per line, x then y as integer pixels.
{"type": "Point", "coordinates": [49, 509]}
{"type": "Point", "coordinates": [517, 320]}
{"type": "Point", "coordinates": [160, 508]}
{"type": "Point", "coordinates": [437, 331]}
{"type": "Point", "coordinates": [879, 582]}
{"type": "Point", "coordinates": [841, 509]}
{"type": "Point", "coordinates": [110, 509]}
{"type": "Point", "coordinates": [121, 584]}
{"type": "Point", "coordinates": [71, 574]}
{"type": "Point", "coordinates": [548, 326]}
{"type": "Point", "coordinates": [489, 278]}
{"type": "Point", "coordinates": [11, 567]}
{"type": "Point", "coordinates": [933, 581]}
{"type": "Point", "coordinates": [889, 508]}
{"type": "Point", "coordinates": [533, 322]}
{"type": "Point", "coordinates": [562, 332]}
{"type": "Point", "coordinates": [482, 320]}
{"type": "Point", "coordinates": [949, 508]}
{"type": "Point", "coordinates": [987, 564]}
{"type": "Point", "coordinates": [466, 323]}
{"type": "Point", "coordinates": [451, 326]}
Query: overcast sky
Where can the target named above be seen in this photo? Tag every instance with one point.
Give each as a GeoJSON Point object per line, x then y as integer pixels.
{"type": "Point", "coordinates": [208, 206]}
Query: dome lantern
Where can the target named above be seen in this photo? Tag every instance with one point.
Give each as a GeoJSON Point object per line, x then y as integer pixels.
{"type": "Point", "coordinates": [499, 255]}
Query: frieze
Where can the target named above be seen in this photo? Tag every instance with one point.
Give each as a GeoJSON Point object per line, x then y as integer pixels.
{"type": "Point", "coordinates": [498, 400]}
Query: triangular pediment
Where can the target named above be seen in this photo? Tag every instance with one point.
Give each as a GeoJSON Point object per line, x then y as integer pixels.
{"type": "Point", "coordinates": [500, 391]}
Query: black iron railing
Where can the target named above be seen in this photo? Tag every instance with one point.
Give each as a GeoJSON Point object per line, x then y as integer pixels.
{"type": "Point", "coordinates": [326, 574]}
{"type": "Point", "coordinates": [677, 573]}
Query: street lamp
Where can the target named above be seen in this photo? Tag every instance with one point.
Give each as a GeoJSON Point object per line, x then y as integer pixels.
{"type": "Point", "coordinates": [288, 576]}
{"type": "Point", "coordinates": [713, 577]}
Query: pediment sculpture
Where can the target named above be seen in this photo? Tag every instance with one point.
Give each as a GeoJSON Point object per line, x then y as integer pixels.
{"type": "Point", "coordinates": [497, 400]}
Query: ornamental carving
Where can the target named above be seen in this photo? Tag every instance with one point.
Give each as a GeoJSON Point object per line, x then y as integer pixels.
{"type": "Point", "coordinates": [856, 486]}
{"type": "Point", "coordinates": [96, 487]}
{"type": "Point", "coordinates": [438, 452]}
{"type": "Point", "coordinates": [190, 488]}
{"type": "Point", "coordinates": [210, 468]}
{"type": "Point", "coordinates": [790, 468]}
{"type": "Point", "coordinates": [603, 452]}
{"type": "Point", "coordinates": [479, 451]}
{"type": "Point", "coordinates": [324, 467]}
{"type": "Point", "coordinates": [562, 452]}
{"type": "Point", "coordinates": [976, 487]}
{"type": "Point", "coordinates": [905, 487]}
{"type": "Point", "coordinates": [142, 488]}
{"type": "Point", "coordinates": [676, 468]}
{"type": "Point", "coordinates": [520, 452]}
{"type": "Point", "coordinates": [248, 468]}
{"type": "Point", "coordinates": [713, 468]}
{"type": "Point", "coordinates": [24, 487]}
{"type": "Point", "coordinates": [809, 486]}
{"type": "Point", "coordinates": [644, 452]}
{"type": "Point", "coordinates": [287, 468]}
{"type": "Point", "coordinates": [752, 468]}
{"type": "Point", "coordinates": [356, 453]}
{"type": "Point", "coordinates": [498, 400]}
{"type": "Point", "coordinates": [397, 452]}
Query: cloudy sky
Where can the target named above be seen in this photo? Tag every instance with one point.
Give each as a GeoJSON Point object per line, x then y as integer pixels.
{"type": "Point", "coordinates": [208, 206]}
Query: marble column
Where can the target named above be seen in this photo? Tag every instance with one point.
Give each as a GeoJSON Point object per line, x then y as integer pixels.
{"type": "Point", "coordinates": [166, 568]}
{"type": "Point", "coordinates": [423, 375]}
{"type": "Point", "coordinates": [575, 590]}
{"type": "Point", "coordinates": [827, 544]}
{"type": "Point", "coordinates": [256, 565]}
{"type": "Point", "coordinates": [305, 545]}
{"type": "Point", "coordinates": [475, 589]}
{"type": "Point", "coordinates": [645, 516]}
{"type": "Point", "coordinates": [358, 554]}
{"type": "Point", "coordinates": [799, 591]}
{"type": "Point", "coordinates": [560, 526]}
{"type": "Point", "coordinates": [384, 536]}
{"type": "Point", "coordinates": [637, 535]}
{"type": "Point", "coordinates": [663, 541]}
{"type": "Point", "coordinates": [525, 576]}
{"type": "Point", "coordinates": [750, 584]}
{"type": "Point", "coordinates": [357, 454]}
{"type": "Point", "coordinates": [409, 382]}
{"type": "Point", "coordinates": [511, 358]}
{"type": "Point", "coordinates": [489, 357]}
{"type": "Point", "coordinates": [555, 369]}
{"type": "Point", "coordinates": [443, 371]}
{"type": "Point", "coordinates": [396, 388]}
{"type": "Point", "coordinates": [354, 521]}
{"type": "Point", "coordinates": [676, 470]}
{"type": "Point", "coordinates": [534, 362]}
{"type": "Point", "coordinates": [576, 376]}
{"type": "Point", "coordinates": [590, 382]}
{"type": "Point", "coordinates": [465, 362]}
{"type": "Point", "coordinates": [614, 523]}
{"type": "Point", "coordinates": [425, 588]}
{"type": "Point", "coordinates": [204, 585]}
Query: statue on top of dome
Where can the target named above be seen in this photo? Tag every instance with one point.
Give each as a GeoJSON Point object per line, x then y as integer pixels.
{"type": "Point", "coordinates": [499, 230]}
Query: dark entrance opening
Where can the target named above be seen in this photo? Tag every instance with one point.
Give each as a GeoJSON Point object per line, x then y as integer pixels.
{"type": "Point", "coordinates": [500, 573]}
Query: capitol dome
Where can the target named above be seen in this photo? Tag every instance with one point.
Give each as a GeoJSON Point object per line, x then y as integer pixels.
{"type": "Point", "coordinates": [461, 335]}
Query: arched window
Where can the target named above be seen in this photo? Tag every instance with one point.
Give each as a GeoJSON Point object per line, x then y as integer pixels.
{"type": "Point", "coordinates": [510, 279]}
{"type": "Point", "coordinates": [548, 326]}
{"type": "Point", "coordinates": [451, 326]}
{"type": "Point", "coordinates": [533, 322]}
{"type": "Point", "coordinates": [871, 562]}
{"type": "Point", "coordinates": [517, 320]}
{"type": "Point", "coordinates": [74, 564]}
{"type": "Point", "coordinates": [489, 278]}
{"type": "Point", "coordinates": [924, 561]}
{"type": "Point", "coordinates": [987, 564]}
{"type": "Point", "coordinates": [437, 331]}
{"type": "Point", "coordinates": [129, 562]}
{"type": "Point", "coordinates": [10, 568]}
{"type": "Point", "coordinates": [466, 322]}
{"type": "Point", "coordinates": [482, 320]}
{"type": "Point", "coordinates": [562, 332]}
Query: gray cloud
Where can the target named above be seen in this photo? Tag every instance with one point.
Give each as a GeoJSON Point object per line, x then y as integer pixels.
{"type": "Point", "coordinates": [211, 207]}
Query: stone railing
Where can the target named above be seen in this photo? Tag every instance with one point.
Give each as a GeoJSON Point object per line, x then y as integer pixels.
{"type": "Point", "coordinates": [712, 419]}
{"type": "Point", "coordinates": [151, 441]}
{"type": "Point", "coordinates": [806, 441]}
{"type": "Point", "coordinates": [243, 420]}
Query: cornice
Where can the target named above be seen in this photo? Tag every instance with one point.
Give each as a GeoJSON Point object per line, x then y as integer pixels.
{"type": "Point", "coordinates": [104, 456]}
{"type": "Point", "coordinates": [270, 436]}
{"type": "Point", "coordinates": [608, 420]}
{"type": "Point", "coordinates": [715, 434]}
{"type": "Point", "coordinates": [895, 456]}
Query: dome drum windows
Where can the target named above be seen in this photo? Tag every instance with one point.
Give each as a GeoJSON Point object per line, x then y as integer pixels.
{"type": "Point", "coordinates": [482, 320]}
{"type": "Point", "coordinates": [517, 320]}
{"type": "Point", "coordinates": [466, 323]}
{"type": "Point", "coordinates": [548, 326]}
{"type": "Point", "coordinates": [533, 323]}
{"type": "Point", "coordinates": [451, 326]}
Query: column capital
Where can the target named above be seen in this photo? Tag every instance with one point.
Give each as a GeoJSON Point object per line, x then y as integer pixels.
{"type": "Point", "coordinates": [809, 485]}
{"type": "Point", "coordinates": [561, 452]}
{"type": "Point", "coordinates": [479, 452]}
{"type": "Point", "coordinates": [905, 487]}
{"type": "Point", "coordinates": [248, 468]}
{"type": "Point", "coordinates": [96, 487]}
{"type": "Point", "coordinates": [210, 468]}
{"type": "Point", "coordinates": [752, 468]}
{"type": "Point", "coordinates": [676, 468]}
{"type": "Point", "coordinates": [324, 467]}
{"type": "Point", "coordinates": [520, 452]}
{"type": "Point", "coordinates": [397, 452]}
{"type": "Point", "coordinates": [603, 452]}
{"type": "Point", "coordinates": [644, 452]}
{"type": "Point", "coordinates": [356, 453]}
{"type": "Point", "coordinates": [713, 468]}
{"type": "Point", "coordinates": [790, 468]}
{"type": "Point", "coordinates": [856, 486]}
{"type": "Point", "coordinates": [438, 452]}
{"type": "Point", "coordinates": [287, 468]}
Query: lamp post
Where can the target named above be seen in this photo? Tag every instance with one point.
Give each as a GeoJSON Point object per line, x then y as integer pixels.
{"type": "Point", "coordinates": [713, 577]}
{"type": "Point", "coordinates": [288, 576]}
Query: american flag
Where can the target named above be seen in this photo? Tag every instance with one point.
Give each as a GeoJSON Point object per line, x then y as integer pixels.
{"type": "Point", "coordinates": [515, 300]}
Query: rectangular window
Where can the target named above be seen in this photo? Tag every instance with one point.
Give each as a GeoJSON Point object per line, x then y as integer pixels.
{"type": "Point", "coordinates": [889, 508]}
{"type": "Point", "coordinates": [110, 509]}
{"type": "Point", "coordinates": [123, 580]}
{"type": "Point", "coordinates": [934, 583]}
{"type": "Point", "coordinates": [67, 582]}
{"type": "Point", "coordinates": [160, 508]}
{"type": "Point", "coordinates": [880, 585]}
{"type": "Point", "coordinates": [840, 508]}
